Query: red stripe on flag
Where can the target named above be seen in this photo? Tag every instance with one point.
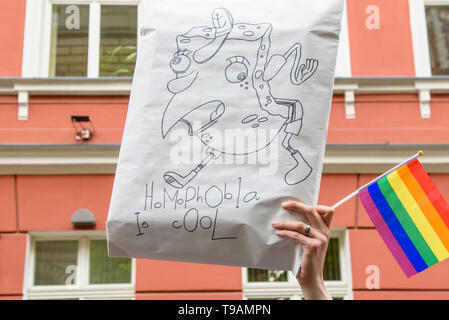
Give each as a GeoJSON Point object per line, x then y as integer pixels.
{"type": "Point", "coordinates": [432, 192]}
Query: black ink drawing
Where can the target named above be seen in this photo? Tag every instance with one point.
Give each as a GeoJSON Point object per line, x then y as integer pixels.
{"type": "Point", "coordinates": [192, 221]}
{"type": "Point", "coordinates": [241, 77]}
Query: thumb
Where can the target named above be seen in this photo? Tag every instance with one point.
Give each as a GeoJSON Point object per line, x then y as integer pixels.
{"type": "Point", "coordinates": [327, 213]}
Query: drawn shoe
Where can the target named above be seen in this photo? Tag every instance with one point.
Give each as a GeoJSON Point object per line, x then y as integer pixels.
{"type": "Point", "coordinates": [178, 181]}
{"type": "Point", "coordinates": [300, 172]}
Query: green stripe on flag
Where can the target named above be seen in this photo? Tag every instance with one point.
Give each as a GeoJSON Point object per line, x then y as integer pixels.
{"type": "Point", "coordinates": [407, 222]}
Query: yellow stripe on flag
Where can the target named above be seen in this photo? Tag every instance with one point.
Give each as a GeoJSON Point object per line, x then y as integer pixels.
{"type": "Point", "coordinates": [418, 216]}
{"type": "Point", "coordinates": [424, 203]}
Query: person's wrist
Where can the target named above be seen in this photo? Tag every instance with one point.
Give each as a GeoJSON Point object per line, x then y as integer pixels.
{"type": "Point", "coordinates": [315, 290]}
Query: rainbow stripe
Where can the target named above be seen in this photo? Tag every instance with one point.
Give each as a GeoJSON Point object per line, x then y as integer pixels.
{"type": "Point", "coordinates": [411, 216]}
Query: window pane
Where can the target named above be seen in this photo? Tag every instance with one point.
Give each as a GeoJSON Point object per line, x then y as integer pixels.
{"type": "Point", "coordinates": [69, 40]}
{"type": "Point", "coordinates": [118, 41]}
{"type": "Point", "coordinates": [52, 261]}
{"type": "Point", "coordinates": [332, 262]}
{"type": "Point", "coordinates": [438, 31]}
{"type": "Point", "coordinates": [105, 270]}
{"type": "Point", "coordinates": [331, 268]}
{"type": "Point", "coordinates": [258, 275]}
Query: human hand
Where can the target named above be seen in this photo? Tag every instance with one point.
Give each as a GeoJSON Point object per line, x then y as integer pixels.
{"type": "Point", "coordinates": [308, 69]}
{"type": "Point", "coordinates": [314, 245]}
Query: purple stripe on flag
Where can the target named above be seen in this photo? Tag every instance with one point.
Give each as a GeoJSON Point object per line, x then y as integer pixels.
{"type": "Point", "coordinates": [386, 234]}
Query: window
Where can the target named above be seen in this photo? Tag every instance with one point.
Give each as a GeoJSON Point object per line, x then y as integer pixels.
{"type": "Point", "coordinates": [76, 266]}
{"type": "Point", "coordinates": [282, 285]}
{"type": "Point", "coordinates": [430, 34]}
{"type": "Point", "coordinates": [81, 38]}
{"type": "Point", "coordinates": [118, 41]}
{"type": "Point", "coordinates": [104, 26]}
{"type": "Point", "coordinates": [69, 45]}
{"type": "Point", "coordinates": [437, 18]}
{"type": "Point", "coordinates": [69, 40]}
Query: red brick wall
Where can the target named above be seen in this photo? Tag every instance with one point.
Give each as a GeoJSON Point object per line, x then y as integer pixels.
{"type": "Point", "coordinates": [47, 203]}
{"type": "Point", "coordinates": [49, 120]}
{"type": "Point", "coordinates": [12, 264]}
{"type": "Point", "coordinates": [387, 51]}
{"type": "Point", "coordinates": [12, 26]}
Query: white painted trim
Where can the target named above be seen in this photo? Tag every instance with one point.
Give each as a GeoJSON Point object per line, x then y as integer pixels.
{"type": "Point", "coordinates": [348, 266]}
{"type": "Point", "coordinates": [58, 160]}
{"type": "Point", "coordinates": [82, 289]}
{"type": "Point", "coordinates": [83, 262]}
{"type": "Point", "coordinates": [122, 86]}
{"type": "Point", "coordinates": [45, 45]}
{"type": "Point", "coordinates": [67, 86]}
{"type": "Point", "coordinates": [101, 159]}
{"type": "Point", "coordinates": [377, 159]}
{"type": "Point", "coordinates": [22, 100]}
{"type": "Point", "coordinates": [27, 266]}
{"type": "Point", "coordinates": [419, 37]}
{"type": "Point", "coordinates": [142, 14]}
{"type": "Point", "coordinates": [291, 289]}
{"type": "Point", "coordinates": [37, 35]}
{"type": "Point", "coordinates": [343, 68]}
{"type": "Point", "coordinates": [436, 2]}
{"type": "Point", "coordinates": [350, 104]}
{"type": "Point", "coordinates": [93, 63]}
{"type": "Point", "coordinates": [424, 103]}
{"type": "Point", "coordinates": [32, 58]}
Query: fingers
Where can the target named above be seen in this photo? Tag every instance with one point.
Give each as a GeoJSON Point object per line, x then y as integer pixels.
{"type": "Point", "coordinates": [299, 227]}
{"type": "Point", "coordinates": [311, 65]}
{"type": "Point", "coordinates": [295, 236]}
{"type": "Point", "coordinates": [308, 64]}
{"type": "Point", "coordinates": [310, 212]}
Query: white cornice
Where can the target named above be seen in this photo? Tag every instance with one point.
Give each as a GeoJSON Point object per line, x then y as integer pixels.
{"type": "Point", "coordinates": [66, 86]}
{"type": "Point", "coordinates": [58, 159]}
{"type": "Point", "coordinates": [372, 158]}
{"type": "Point", "coordinates": [348, 87]}
{"type": "Point", "coordinates": [102, 159]}
{"type": "Point", "coordinates": [122, 86]}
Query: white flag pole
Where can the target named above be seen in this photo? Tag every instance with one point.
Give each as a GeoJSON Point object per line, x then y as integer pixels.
{"type": "Point", "coordinates": [352, 195]}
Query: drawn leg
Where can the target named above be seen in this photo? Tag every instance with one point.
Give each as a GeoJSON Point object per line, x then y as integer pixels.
{"type": "Point", "coordinates": [299, 73]}
{"type": "Point", "coordinates": [179, 181]}
{"type": "Point", "coordinates": [301, 170]}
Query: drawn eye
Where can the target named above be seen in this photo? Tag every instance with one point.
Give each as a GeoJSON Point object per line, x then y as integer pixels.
{"type": "Point", "coordinates": [180, 63]}
{"type": "Point", "coordinates": [237, 71]}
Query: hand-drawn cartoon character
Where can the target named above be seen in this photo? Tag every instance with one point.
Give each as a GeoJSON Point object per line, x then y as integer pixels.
{"type": "Point", "coordinates": [237, 56]}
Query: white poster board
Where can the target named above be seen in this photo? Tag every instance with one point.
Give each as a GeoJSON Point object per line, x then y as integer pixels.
{"type": "Point", "coordinates": [228, 118]}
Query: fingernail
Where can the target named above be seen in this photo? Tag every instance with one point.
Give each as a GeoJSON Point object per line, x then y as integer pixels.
{"type": "Point", "coordinates": [285, 204]}
{"type": "Point", "coordinates": [275, 223]}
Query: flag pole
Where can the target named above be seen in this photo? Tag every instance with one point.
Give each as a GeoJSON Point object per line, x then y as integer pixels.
{"type": "Point", "coordinates": [352, 195]}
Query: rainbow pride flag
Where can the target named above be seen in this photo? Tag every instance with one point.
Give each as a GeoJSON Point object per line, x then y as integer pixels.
{"type": "Point", "coordinates": [410, 215]}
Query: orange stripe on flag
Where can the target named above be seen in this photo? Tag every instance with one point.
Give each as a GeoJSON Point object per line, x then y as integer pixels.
{"type": "Point", "coordinates": [426, 206]}
{"type": "Point", "coordinates": [430, 189]}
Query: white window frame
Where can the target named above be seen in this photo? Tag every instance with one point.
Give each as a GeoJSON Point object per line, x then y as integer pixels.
{"type": "Point", "coordinates": [37, 37]}
{"type": "Point", "coordinates": [343, 68]}
{"type": "Point", "coordinates": [291, 290]}
{"type": "Point", "coordinates": [82, 289]}
{"type": "Point", "coordinates": [421, 48]}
